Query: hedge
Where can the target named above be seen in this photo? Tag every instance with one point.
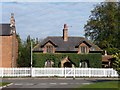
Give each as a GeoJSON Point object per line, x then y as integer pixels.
{"type": "Point", "coordinates": [94, 59]}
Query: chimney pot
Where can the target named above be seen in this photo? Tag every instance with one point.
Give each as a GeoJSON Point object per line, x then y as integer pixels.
{"type": "Point", "coordinates": [12, 20]}
{"type": "Point", "coordinates": [65, 26]}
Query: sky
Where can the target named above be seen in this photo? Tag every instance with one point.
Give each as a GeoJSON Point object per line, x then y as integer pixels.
{"type": "Point", "coordinates": [42, 19]}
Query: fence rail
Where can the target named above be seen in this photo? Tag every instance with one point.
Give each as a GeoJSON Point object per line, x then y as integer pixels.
{"type": "Point", "coordinates": [61, 72]}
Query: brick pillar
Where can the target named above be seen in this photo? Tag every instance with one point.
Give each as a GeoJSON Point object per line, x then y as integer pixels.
{"type": "Point", "coordinates": [14, 43]}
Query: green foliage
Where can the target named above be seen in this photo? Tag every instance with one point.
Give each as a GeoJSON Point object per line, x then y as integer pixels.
{"type": "Point", "coordinates": [103, 26]}
{"type": "Point", "coordinates": [106, 85]}
{"type": "Point", "coordinates": [24, 51]}
{"type": "Point", "coordinates": [3, 83]}
{"type": "Point", "coordinates": [20, 49]}
{"type": "Point", "coordinates": [116, 64]}
{"type": "Point", "coordinates": [112, 51]}
{"type": "Point", "coordinates": [95, 60]}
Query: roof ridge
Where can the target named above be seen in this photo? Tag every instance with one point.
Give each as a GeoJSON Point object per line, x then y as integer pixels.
{"type": "Point", "coordinates": [75, 36]}
{"type": "Point", "coordinates": [54, 36]}
{"type": "Point", "coordinates": [68, 36]}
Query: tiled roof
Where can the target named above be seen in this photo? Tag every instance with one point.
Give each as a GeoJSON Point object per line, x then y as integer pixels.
{"type": "Point", "coordinates": [70, 45]}
{"type": "Point", "coordinates": [5, 30]}
{"type": "Point", "coordinates": [106, 58]}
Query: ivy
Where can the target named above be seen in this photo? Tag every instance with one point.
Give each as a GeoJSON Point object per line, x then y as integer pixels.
{"type": "Point", "coordinates": [94, 59]}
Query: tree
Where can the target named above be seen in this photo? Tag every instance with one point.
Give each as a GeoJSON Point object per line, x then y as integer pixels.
{"type": "Point", "coordinates": [28, 51]}
{"type": "Point", "coordinates": [24, 55]}
{"type": "Point", "coordinates": [103, 25]}
{"type": "Point", "coordinates": [20, 49]}
{"type": "Point", "coordinates": [116, 64]}
{"type": "Point", "coordinates": [24, 52]}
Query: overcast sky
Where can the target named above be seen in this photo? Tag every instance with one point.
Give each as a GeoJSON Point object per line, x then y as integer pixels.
{"type": "Point", "coordinates": [42, 19]}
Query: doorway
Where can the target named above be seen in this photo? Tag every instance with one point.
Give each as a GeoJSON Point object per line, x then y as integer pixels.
{"type": "Point", "coordinates": [67, 64]}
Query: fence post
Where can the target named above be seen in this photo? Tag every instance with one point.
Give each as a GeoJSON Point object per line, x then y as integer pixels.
{"type": "Point", "coordinates": [31, 70]}
{"type": "Point", "coordinates": [2, 72]}
{"type": "Point", "coordinates": [89, 72]}
{"type": "Point", "coordinates": [65, 72]}
{"type": "Point", "coordinates": [104, 72]}
{"type": "Point", "coordinates": [112, 73]}
{"type": "Point", "coordinates": [74, 73]}
{"type": "Point", "coordinates": [62, 72]}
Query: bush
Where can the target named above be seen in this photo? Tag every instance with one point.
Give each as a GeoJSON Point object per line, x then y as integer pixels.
{"type": "Point", "coordinates": [116, 64]}
{"type": "Point", "coordinates": [94, 59]}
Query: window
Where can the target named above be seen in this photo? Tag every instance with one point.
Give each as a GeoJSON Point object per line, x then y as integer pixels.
{"type": "Point", "coordinates": [49, 49]}
{"type": "Point", "coordinates": [83, 49]}
{"type": "Point", "coordinates": [83, 64]}
{"type": "Point", "coordinates": [49, 63]}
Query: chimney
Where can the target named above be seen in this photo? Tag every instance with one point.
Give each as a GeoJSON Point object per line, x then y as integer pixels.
{"type": "Point", "coordinates": [105, 53]}
{"type": "Point", "coordinates": [12, 20]}
{"type": "Point", "coordinates": [65, 32]}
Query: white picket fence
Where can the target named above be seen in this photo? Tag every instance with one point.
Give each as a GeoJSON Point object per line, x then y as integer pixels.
{"type": "Point", "coordinates": [60, 72]}
{"type": "Point", "coordinates": [15, 72]}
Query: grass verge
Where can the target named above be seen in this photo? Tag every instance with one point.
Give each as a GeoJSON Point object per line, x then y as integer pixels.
{"type": "Point", "coordinates": [107, 85]}
{"type": "Point", "coordinates": [3, 83]}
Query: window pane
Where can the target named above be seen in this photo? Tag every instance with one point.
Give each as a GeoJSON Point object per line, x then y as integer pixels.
{"type": "Point", "coordinates": [83, 49]}
{"type": "Point", "coordinates": [83, 64]}
{"type": "Point", "coordinates": [49, 49]}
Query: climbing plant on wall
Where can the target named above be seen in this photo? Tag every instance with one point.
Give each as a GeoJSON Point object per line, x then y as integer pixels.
{"type": "Point", "coordinates": [94, 59]}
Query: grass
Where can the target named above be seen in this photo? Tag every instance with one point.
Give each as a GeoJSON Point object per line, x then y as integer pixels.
{"type": "Point", "coordinates": [107, 85]}
{"type": "Point", "coordinates": [3, 83]}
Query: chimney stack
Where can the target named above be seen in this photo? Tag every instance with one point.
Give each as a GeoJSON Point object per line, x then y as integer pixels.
{"type": "Point", "coordinates": [12, 20]}
{"type": "Point", "coordinates": [105, 53]}
{"type": "Point", "coordinates": [65, 32]}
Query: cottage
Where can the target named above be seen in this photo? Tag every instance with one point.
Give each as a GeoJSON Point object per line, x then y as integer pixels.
{"type": "Point", "coordinates": [8, 44]}
{"type": "Point", "coordinates": [66, 44]}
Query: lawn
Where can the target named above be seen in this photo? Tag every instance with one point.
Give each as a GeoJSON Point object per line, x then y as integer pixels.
{"type": "Point", "coordinates": [3, 83]}
{"type": "Point", "coordinates": [106, 85]}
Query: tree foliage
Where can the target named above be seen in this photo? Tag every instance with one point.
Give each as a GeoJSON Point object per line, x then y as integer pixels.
{"type": "Point", "coordinates": [103, 26]}
{"type": "Point", "coordinates": [116, 64]}
{"type": "Point", "coordinates": [24, 51]}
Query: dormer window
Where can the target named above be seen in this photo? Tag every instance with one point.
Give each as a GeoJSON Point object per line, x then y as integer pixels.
{"type": "Point", "coordinates": [49, 49]}
{"type": "Point", "coordinates": [83, 49]}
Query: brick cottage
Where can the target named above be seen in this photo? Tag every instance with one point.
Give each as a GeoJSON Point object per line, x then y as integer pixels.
{"type": "Point", "coordinates": [70, 44]}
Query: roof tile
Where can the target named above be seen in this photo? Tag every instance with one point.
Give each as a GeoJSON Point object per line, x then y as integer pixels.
{"type": "Point", "coordinates": [69, 45]}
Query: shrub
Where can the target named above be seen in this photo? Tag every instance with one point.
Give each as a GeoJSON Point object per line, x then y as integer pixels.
{"type": "Point", "coordinates": [116, 64]}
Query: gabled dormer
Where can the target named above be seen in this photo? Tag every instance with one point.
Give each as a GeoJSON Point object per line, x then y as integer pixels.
{"type": "Point", "coordinates": [83, 47]}
{"type": "Point", "coordinates": [49, 47]}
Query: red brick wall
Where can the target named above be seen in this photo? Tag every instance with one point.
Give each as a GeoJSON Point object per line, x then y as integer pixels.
{"type": "Point", "coordinates": [0, 51]}
{"type": "Point", "coordinates": [7, 52]}
{"type": "Point", "coordinates": [16, 52]}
